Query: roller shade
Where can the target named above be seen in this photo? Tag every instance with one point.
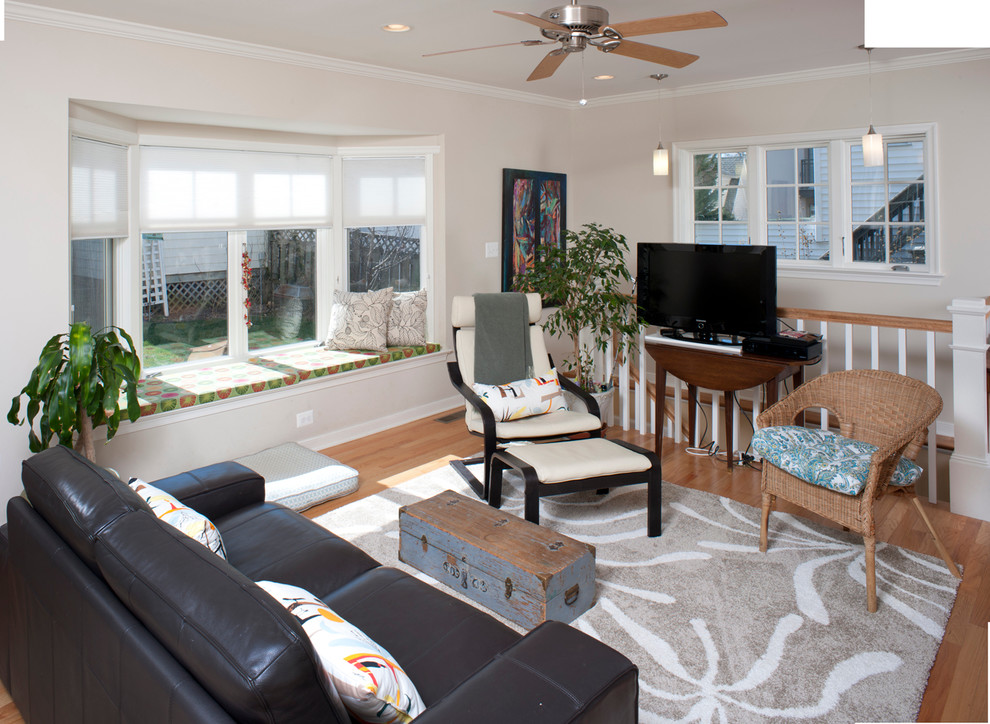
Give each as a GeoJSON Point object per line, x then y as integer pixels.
{"type": "Point", "coordinates": [194, 188]}
{"type": "Point", "coordinates": [98, 194]}
{"type": "Point", "coordinates": [384, 191]}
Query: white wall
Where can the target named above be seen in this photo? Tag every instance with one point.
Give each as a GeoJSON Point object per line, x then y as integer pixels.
{"type": "Point", "coordinates": [613, 183]}
{"type": "Point", "coordinates": [42, 68]}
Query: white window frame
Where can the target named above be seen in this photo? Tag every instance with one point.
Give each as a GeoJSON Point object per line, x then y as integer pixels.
{"type": "Point", "coordinates": [840, 265]}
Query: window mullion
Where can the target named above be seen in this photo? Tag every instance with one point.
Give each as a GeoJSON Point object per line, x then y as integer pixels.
{"type": "Point", "coordinates": [237, 330]}
{"type": "Point", "coordinates": [841, 191]}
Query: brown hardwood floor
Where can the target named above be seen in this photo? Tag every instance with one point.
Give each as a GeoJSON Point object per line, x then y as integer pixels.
{"type": "Point", "coordinates": [957, 686]}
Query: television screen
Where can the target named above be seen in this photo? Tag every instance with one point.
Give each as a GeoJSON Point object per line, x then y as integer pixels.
{"type": "Point", "coordinates": [708, 290]}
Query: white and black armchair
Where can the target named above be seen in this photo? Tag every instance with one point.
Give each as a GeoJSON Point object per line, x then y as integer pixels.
{"type": "Point", "coordinates": [582, 419]}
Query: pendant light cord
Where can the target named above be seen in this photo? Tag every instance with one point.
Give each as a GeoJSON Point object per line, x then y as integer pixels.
{"type": "Point", "coordinates": [869, 61]}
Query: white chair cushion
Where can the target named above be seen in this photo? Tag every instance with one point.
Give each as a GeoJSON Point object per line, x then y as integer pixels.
{"type": "Point", "coordinates": [564, 422]}
{"type": "Point", "coordinates": [556, 462]}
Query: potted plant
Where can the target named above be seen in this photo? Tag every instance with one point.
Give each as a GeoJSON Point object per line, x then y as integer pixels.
{"type": "Point", "coordinates": [585, 281]}
{"type": "Point", "coordinates": [76, 387]}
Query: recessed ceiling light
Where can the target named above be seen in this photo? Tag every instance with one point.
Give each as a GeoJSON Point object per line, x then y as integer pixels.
{"type": "Point", "coordinates": [603, 77]}
{"type": "Point", "coordinates": [396, 28]}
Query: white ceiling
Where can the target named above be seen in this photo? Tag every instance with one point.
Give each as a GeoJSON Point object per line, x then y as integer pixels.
{"type": "Point", "coordinates": [763, 37]}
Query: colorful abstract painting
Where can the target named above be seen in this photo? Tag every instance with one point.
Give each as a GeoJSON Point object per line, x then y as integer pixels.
{"type": "Point", "coordinates": [533, 216]}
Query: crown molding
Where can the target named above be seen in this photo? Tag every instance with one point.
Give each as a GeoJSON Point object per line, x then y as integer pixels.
{"type": "Point", "coordinates": [802, 76]}
{"type": "Point", "coordinates": [136, 31]}
{"type": "Point", "coordinates": [70, 20]}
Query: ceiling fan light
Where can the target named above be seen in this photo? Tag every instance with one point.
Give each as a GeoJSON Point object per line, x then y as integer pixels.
{"type": "Point", "coordinates": [872, 148]}
{"type": "Point", "coordinates": [661, 161]}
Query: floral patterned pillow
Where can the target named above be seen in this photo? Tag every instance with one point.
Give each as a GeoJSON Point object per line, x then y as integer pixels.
{"type": "Point", "coordinates": [359, 320]}
{"type": "Point", "coordinates": [407, 321]}
{"type": "Point", "coordinates": [821, 457]}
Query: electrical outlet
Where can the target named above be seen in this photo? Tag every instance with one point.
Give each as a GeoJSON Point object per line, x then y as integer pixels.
{"type": "Point", "coordinates": [304, 418]}
{"type": "Point", "coordinates": [491, 250]}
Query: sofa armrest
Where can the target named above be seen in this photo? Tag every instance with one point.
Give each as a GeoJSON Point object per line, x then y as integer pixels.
{"type": "Point", "coordinates": [216, 490]}
{"type": "Point", "coordinates": [553, 674]}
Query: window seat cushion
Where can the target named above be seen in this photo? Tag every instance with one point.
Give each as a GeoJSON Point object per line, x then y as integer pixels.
{"type": "Point", "coordinates": [186, 388]}
{"type": "Point", "coordinates": [821, 457]}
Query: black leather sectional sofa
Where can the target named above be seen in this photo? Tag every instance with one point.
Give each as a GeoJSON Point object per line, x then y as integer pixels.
{"type": "Point", "coordinates": [110, 615]}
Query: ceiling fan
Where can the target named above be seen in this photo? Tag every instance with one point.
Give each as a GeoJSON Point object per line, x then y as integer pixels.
{"type": "Point", "coordinates": [575, 27]}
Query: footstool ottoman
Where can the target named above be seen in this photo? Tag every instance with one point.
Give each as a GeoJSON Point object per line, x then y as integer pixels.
{"type": "Point", "coordinates": [553, 468]}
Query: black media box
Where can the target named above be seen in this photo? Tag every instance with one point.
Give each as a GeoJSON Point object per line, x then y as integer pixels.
{"type": "Point", "coordinates": [797, 346]}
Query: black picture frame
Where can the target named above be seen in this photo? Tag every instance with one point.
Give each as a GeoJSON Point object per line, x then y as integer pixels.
{"type": "Point", "coordinates": [534, 214]}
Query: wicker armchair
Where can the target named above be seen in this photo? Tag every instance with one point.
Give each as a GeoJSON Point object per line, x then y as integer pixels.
{"type": "Point", "coordinates": [887, 410]}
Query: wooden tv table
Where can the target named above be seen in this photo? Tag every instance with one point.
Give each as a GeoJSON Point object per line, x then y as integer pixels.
{"type": "Point", "coordinates": [715, 368]}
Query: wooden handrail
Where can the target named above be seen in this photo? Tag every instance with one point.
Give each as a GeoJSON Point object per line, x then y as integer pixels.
{"type": "Point", "coordinates": [868, 320]}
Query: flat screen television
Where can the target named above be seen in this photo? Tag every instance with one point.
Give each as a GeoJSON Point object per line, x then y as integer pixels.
{"type": "Point", "coordinates": [708, 292]}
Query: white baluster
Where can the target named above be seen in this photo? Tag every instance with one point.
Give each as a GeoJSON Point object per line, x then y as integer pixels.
{"type": "Point", "coordinates": [874, 348]}
{"type": "Point", "coordinates": [902, 351]}
{"type": "Point", "coordinates": [849, 346]}
{"type": "Point", "coordinates": [932, 433]}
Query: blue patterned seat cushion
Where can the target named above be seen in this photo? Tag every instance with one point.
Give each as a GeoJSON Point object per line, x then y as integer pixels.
{"type": "Point", "coordinates": [821, 457]}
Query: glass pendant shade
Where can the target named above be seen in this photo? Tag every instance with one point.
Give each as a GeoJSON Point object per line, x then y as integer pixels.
{"type": "Point", "coordinates": [872, 148]}
{"type": "Point", "coordinates": [661, 161]}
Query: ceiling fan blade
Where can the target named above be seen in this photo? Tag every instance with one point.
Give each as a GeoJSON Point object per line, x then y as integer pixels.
{"type": "Point", "coordinates": [652, 53]}
{"type": "Point", "coordinates": [533, 20]}
{"type": "Point", "coordinates": [671, 23]}
{"type": "Point", "coordinates": [548, 65]}
{"type": "Point", "coordinates": [485, 47]}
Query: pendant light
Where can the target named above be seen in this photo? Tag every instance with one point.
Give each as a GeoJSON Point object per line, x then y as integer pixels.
{"type": "Point", "coordinates": [872, 141]}
{"type": "Point", "coordinates": [661, 157]}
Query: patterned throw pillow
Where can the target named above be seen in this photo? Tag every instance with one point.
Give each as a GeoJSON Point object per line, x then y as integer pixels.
{"type": "Point", "coordinates": [171, 511]}
{"type": "Point", "coordinates": [523, 398]}
{"type": "Point", "coordinates": [359, 320]}
{"type": "Point", "coordinates": [407, 322]}
{"type": "Point", "coordinates": [356, 671]}
{"type": "Point", "coordinates": [821, 457]}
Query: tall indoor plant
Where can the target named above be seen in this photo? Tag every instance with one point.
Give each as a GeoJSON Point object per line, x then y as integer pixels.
{"type": "Point", "coordinates": [76, 387]}
{"type": "Point", "coordinates": [585, 281]}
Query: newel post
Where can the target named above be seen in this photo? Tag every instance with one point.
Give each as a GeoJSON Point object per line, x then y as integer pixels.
{"type": "Point", "coordinates": [969, 466]}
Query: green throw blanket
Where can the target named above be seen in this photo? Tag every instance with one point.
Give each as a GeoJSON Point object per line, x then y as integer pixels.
{"type": "Point", "coordinates": [501, 338]}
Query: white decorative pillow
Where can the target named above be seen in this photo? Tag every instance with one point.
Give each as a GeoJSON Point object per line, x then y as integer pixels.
{"type": "Point", "coordinates": [169, 510]}
{"type": "Point", "coordinates": [359, 320]}
{"type": "Point", "coordinates": [407, 321]}
{"type": "Point", "coordinates": [356, 671]}
{"type": "Point", "coordinates": [523, 398]}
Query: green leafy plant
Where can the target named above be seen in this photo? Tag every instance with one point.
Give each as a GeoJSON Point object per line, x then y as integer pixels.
{"type": "Point", "coordinates": [585, 281]}
{"type": "Point", "coordinates": [76, 387]}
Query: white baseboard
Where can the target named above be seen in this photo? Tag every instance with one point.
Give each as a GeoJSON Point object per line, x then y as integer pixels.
{"type": "Point", "coordinates": [354, 432]}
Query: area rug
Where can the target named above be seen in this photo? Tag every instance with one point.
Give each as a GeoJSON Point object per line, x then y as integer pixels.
{"type": "Point", "coordinates": [720, 631]}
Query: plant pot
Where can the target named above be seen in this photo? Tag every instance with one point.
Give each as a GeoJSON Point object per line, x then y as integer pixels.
{"type": "Point", "coordinates": [605, 404]}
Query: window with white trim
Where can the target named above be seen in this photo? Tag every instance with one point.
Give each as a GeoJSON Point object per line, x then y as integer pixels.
{"type": "Point", "coordinates": [384, 203]}
{"type": "Point", "coordinates": [98, 218]}
{"type": "Point", "coordinates": [812, 198]}
{"type": "Point", "coordinates": [229, 250]}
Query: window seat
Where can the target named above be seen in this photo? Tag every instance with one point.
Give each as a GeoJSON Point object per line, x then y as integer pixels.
{"type": "Point", "coordinates": [187, 388]}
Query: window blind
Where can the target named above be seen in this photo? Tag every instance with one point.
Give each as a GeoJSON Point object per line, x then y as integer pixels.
{"type": "Point", "coordinates": [195, 188]}
{"type": "Point", "coordinates": [384, 191]}
{"type": "Point", "coordinates": [98, 193]}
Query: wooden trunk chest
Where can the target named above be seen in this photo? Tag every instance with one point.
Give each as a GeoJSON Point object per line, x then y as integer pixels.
{"type": "Point", "coordinates": [520, 570]}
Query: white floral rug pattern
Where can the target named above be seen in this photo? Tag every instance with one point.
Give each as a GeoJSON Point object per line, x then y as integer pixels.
{"type": "Point", "coordinates": [720, 631]}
